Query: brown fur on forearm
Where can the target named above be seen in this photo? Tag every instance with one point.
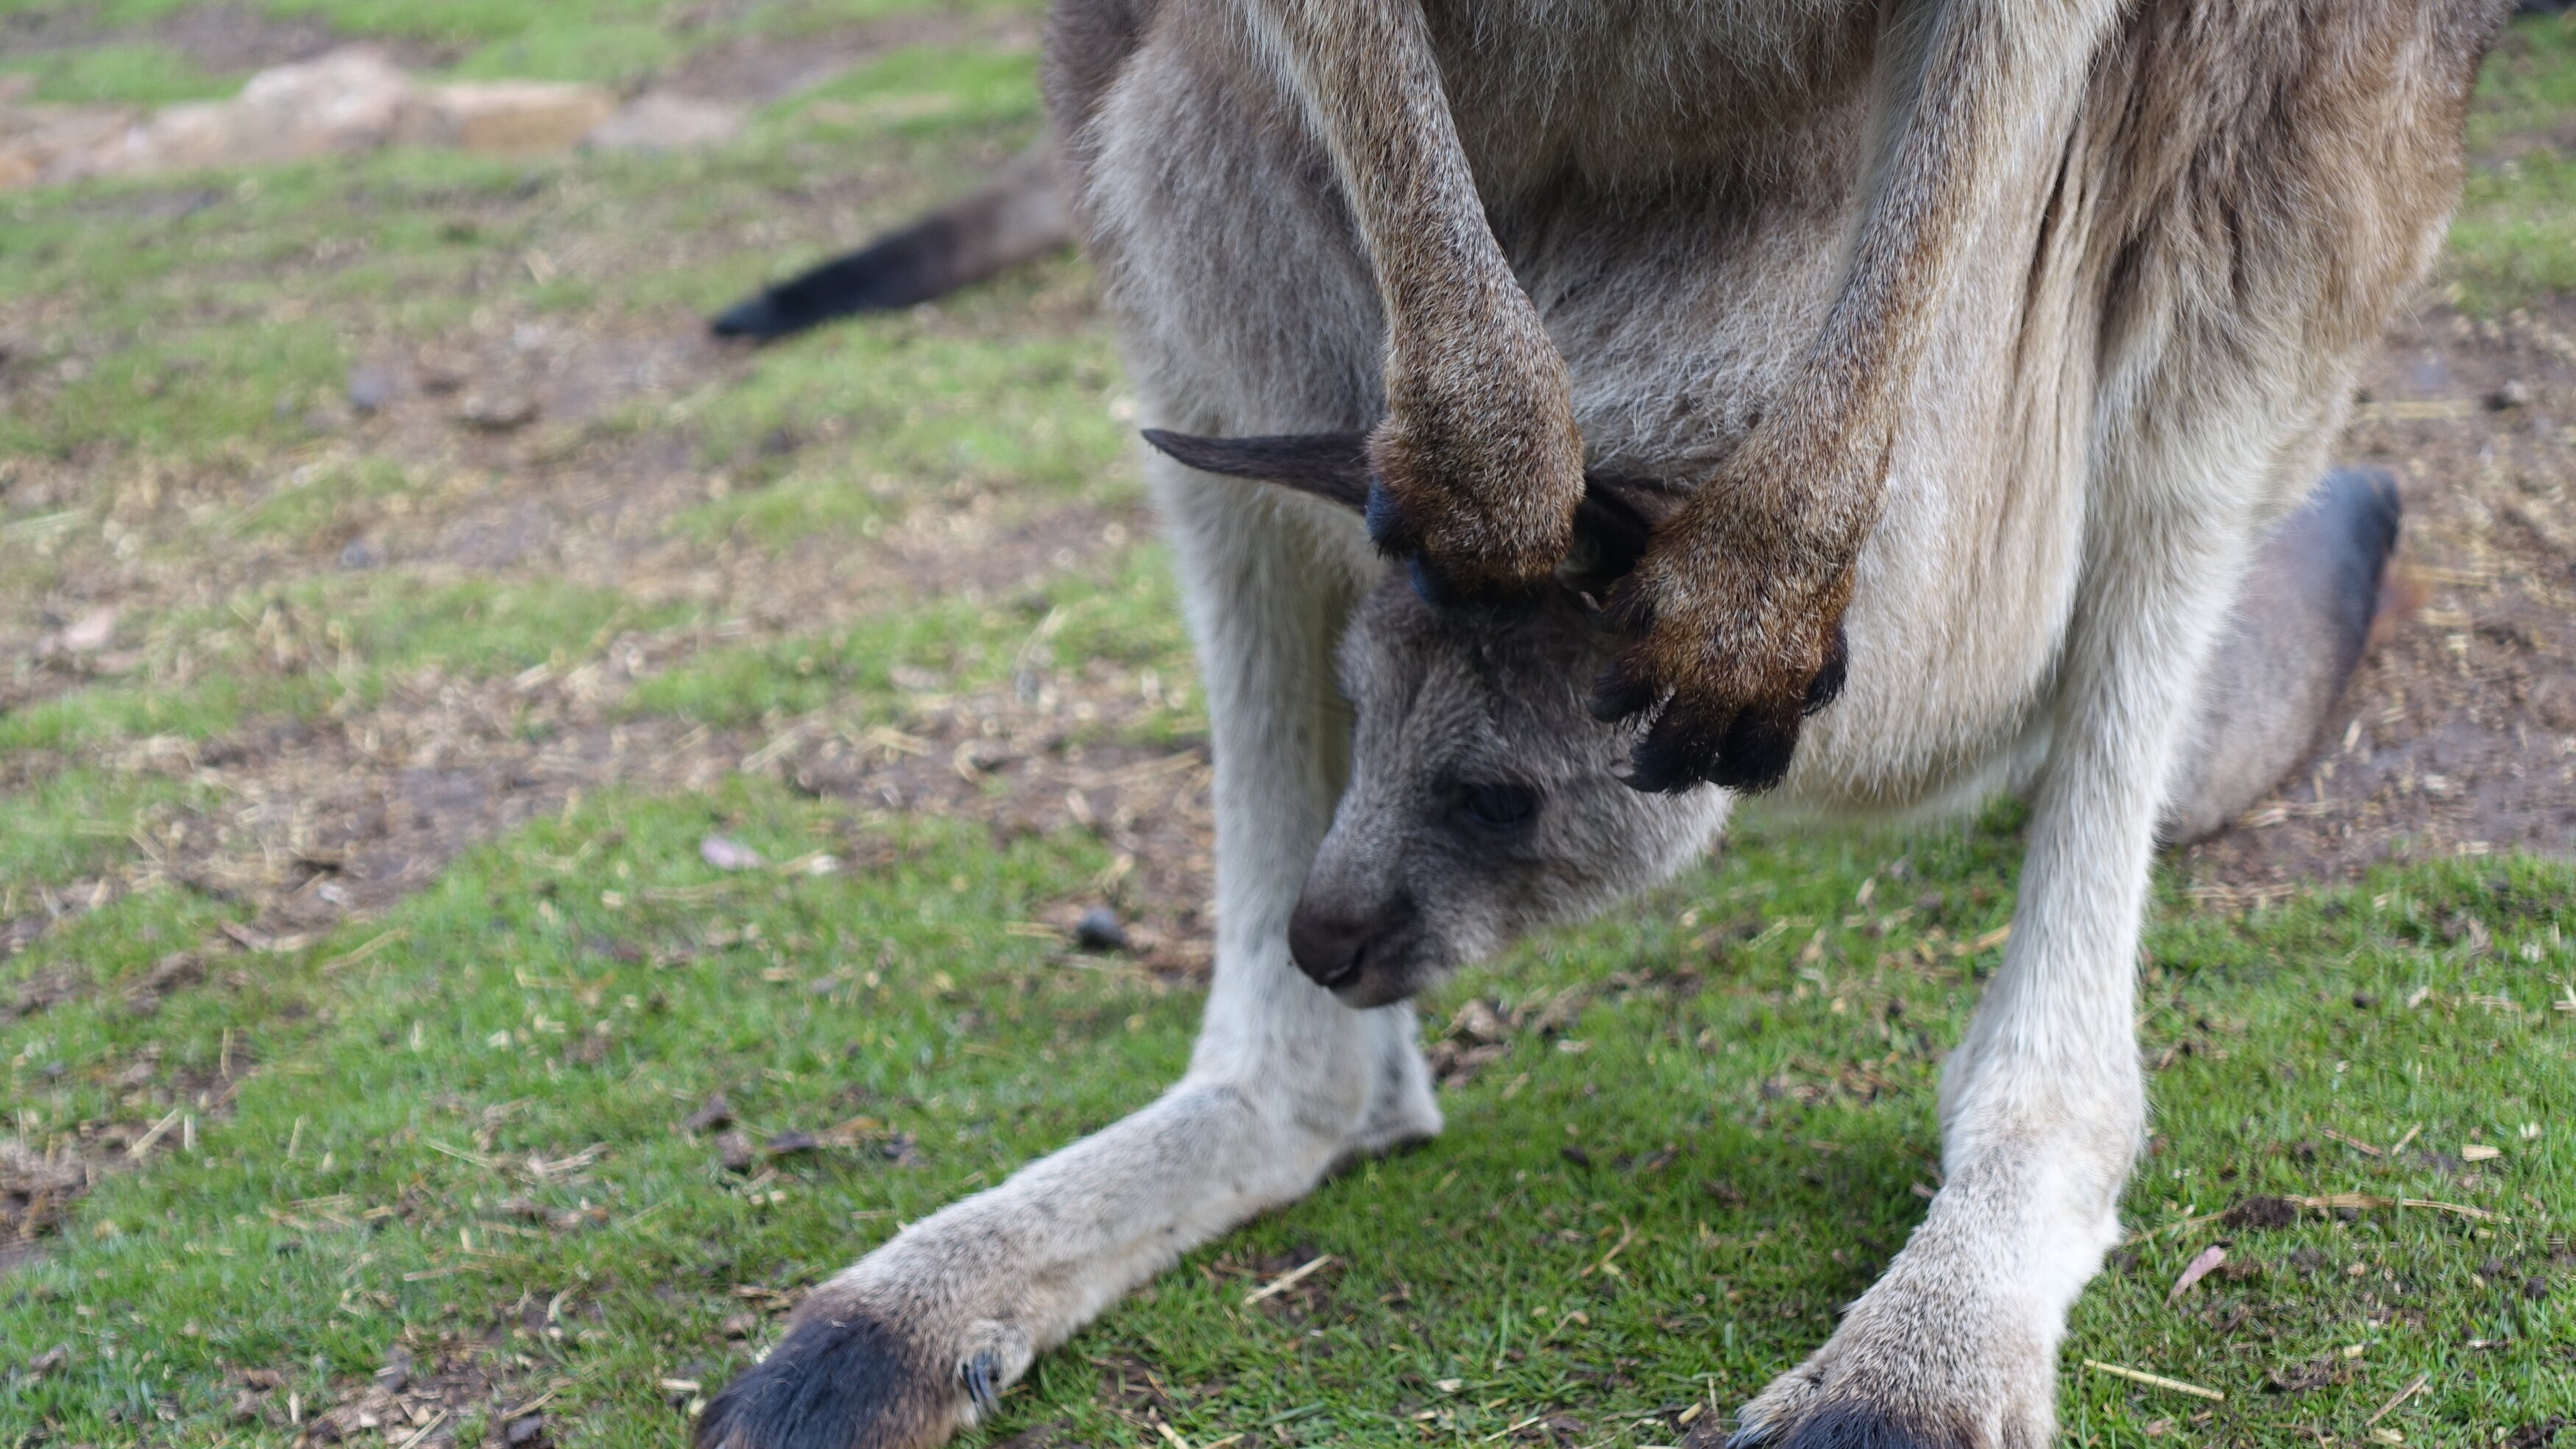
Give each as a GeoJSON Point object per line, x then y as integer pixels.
{"type": "Point", "coordinates": [1479, 451]}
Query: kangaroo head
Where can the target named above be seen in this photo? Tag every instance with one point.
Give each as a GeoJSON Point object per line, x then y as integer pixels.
{"type": "Point", "coordinates": [1484, 799]}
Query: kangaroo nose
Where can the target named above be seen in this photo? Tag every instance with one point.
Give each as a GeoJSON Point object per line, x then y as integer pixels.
{"type": "Point", "coordinates": [1327, 945]}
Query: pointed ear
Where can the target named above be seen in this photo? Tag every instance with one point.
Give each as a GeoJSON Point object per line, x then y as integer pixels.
{"type": "Point", "coordinates": [1611, 529]}
{"type": "Point", "coordinates": [1331, 466]}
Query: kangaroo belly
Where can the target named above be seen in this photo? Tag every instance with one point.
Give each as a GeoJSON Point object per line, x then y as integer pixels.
{"type": "Point", "coordinates": [1684, 314]}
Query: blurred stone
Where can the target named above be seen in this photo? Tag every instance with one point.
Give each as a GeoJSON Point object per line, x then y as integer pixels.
{"type": "Point", "coordinates": [358, 554]}
{"type": "Point", "coordinates": [497, 412]}
{"type": "Point", "coordinates": [512, 117]}
{"type": "Point", "coordinates": [350, 100]}
{"type": "Point", "coordinates": [659, 122]}
{"type": "Point", "coordinates": [716, 1113]}
{"type": "Point", "coordinates": [1100, 930]}
{"type": "Point", "coordinates": [370, 388]}
{"type": "Point", "coordinates": [725, 853]}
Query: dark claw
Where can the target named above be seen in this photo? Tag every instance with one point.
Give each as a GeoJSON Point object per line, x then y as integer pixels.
{"type": "Point", "coordinates": [1388, 528]}
{"type": "Point", "coordinates": [1828, 683]}
{"type": "Point", "coordinates": [1674, 755]}
{"type": "Point", "coordinates": [978, 1374]}
{"type": "Point", "coordinates": [1756, 752]}
{"type": "Point", "coordinates": [1620, 692]}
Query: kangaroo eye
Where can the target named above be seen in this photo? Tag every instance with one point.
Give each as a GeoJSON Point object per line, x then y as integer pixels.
{"type": "Point", "coordinates": [1500, 807]}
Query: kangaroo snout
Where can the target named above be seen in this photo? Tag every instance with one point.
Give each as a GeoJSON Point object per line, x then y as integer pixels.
{"type": "Point", "coordinates": [1362, 954]}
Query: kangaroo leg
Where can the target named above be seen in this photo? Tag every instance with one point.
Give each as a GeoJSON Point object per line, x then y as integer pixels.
{"type": "Point", "coordinates": [1015, 217]}
{"type": "Point", "coordinates": [2230, 318]}
{"type": "Point", "coordinates": [915, 1341]}
{"type": "Point", "coordinates": [2307, 607]}
{"type": "Point", "coordinates": [2043, 1104]}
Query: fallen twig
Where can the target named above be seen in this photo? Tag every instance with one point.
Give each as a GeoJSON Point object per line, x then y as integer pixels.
{"type": "Point", "coordinates": [144, 1143]}
{"type": "Point", "coordinates": [1285, 1281]}
{"type": "Point", "coordinates": [2155, 1381]}
{"type": "Point", "coordinates": [2408, 1392]}
{"type": "Point", "coordinates": [2358, 1200]}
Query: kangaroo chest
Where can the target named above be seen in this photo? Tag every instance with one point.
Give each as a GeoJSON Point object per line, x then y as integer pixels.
{"type": "Point", "coordinates": [1643, 93]}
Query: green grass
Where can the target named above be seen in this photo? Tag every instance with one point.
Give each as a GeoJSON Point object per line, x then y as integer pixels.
{"type": "Point", "coordinates": [2514, 241]}
{"type": "Point", "coordinates": [2515, 238]}
{"type": "Point", "coordinates": [132, 72]}
{"type": "Point", "coordinates": [587, 982]}
{"type": "Point", "coordinates": [1125, 615]}
{"type": "Point", "coordinates": [349, 1166]}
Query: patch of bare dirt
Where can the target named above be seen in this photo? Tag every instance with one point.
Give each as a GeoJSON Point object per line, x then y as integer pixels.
{"type": "Point", "coordinates": [2458, 734]}
{"type": "Point", "coordinates": [759, 69]}
{"type": "Point", "coordinates": [311, 821]}
{"type": "Point", "coordinates": [35, 1190]}
{"type": "Point", "coordinates": [227, 38]}
{"type": "Point", "coordinates": [425, 1386]}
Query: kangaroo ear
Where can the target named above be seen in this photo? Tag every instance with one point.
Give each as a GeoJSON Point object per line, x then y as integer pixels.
{"type": "Point", "coordinates": [1611, 529]}
{"type": "Point", "coordinates": [1331, 466]}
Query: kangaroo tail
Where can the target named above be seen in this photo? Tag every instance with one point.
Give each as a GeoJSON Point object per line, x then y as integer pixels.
{"type": "Point", "coordinates": [1016, 216]}
{"type": "Point", "coordinates": [2318, 595]}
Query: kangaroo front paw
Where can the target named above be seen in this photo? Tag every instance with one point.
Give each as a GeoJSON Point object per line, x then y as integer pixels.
{"type": "Point", "coordinates": [847, 1376]}
{"type": "Point", "coordinates": [1734, 617]}
{"type": "Point", "coordinates": [1730, 664]}
{"type": "Point", "coordinates": [1478, 465]}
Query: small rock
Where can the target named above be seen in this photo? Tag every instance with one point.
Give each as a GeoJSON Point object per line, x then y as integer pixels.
{"type": "Point", "coordinates": [660, 122]}
{"type": "Point", "coordinates": [515, 117]}
{"type": "Point", "coordinates": [2512, 395]}
{"type": "Point", "coordinates": [716, 1113]}
{"type": "Point", "coordinates": [525, 1432]}
{"type": "Point", "coordinates": [1478, 1022]}
{"type": "Point", "coordinates": [1100, 930]}
{"type": "Point", "coordinates": [786, 1143]}
{"type": "Point", "coordinates": [727, 854]}
{"type": "Point", "coordinates": [497, 412]}
{"type": "Point", "coordinates": [742, 1325]}
{"type": "Point", "coordinates": [733, 1149]}
{"type": "Point", "coordinates": [370, 388]}
{"type": "Point", "coordinates": [358, 554]}
{"type": "Point", "coordinates": [91, 632]}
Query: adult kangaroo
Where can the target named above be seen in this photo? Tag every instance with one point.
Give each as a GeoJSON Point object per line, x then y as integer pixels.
{"type": "Point", "coordinates": [1975, 342]}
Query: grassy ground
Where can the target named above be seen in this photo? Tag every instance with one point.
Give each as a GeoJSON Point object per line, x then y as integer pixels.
{"type": "Point", "coordinates": [366, 969]}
